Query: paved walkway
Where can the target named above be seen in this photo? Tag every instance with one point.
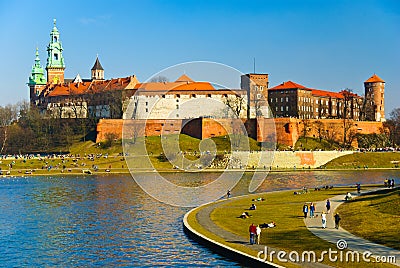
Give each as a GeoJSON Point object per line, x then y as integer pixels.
{"type": "Point", "coordinates": [332, 235]}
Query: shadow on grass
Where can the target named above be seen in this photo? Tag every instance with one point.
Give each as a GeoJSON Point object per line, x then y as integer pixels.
{"type": "Point", "coordinates": [238, 242]}
{"type": "Point", "coordinates": [387, 239]}
{"type": "Point", "coordinates": [375, 196]}
{"type": "Point", "coordinates": [295, 240]}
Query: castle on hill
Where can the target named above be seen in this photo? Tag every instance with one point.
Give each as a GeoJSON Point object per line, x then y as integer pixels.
{"type": "Point", "coordinates": [101, 98]}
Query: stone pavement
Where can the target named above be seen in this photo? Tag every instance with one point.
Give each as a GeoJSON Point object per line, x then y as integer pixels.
{"type": "Point", "coordinates": [332, 235]}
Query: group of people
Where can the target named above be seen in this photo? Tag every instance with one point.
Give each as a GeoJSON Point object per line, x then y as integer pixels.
{"type": "Point", "coordinates": [311, 209]}
{"type": "Point", "coordinates": [389, 183]}
{"type": "Point", "coordinates": [255, 234]}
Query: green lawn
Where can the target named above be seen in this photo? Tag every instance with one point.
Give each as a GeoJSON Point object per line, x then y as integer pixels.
{"type": "Point", "coordinates": [375, 217]}
{"type": "Point", "coordinates": [285, 209]}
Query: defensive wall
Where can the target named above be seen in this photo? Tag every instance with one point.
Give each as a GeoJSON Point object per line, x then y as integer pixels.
{"type": "Point", "coordinates": [284, 130]}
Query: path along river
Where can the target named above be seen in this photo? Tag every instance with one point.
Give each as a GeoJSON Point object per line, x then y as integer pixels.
{"type": "Point", "coordinates": [109, 221]}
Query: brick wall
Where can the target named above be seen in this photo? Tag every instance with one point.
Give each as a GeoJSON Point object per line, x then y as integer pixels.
{"type": "Point", "coordinates": [288, 130]}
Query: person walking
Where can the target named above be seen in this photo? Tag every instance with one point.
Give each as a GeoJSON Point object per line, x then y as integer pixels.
{"type": "Point", "coordinates": [337, 220]}
{"type": "Point", "coordinates": [358, 188]}
{"type": "Point", "coordinates": [228, 194]}
{"type": "Point", "coordinates": [328, 206]}
{"type": "Point", "coordinates": [323, 217]}
{"type": "Point", "coordinates": [312, 209]}
{"type": "Point", "coordinates": [305, 210]}
{"type": "Point", "coordinates": [252, 231]}
{"type": "Point", "coordinates": [258, 234]}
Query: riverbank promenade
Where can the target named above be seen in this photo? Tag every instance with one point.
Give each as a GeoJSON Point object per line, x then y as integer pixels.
{"type": "Point", "coordinates": [215, 236]}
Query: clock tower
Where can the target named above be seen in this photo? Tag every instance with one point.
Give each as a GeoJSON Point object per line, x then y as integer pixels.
{"type": "Point", "coordinates": [55, 62]}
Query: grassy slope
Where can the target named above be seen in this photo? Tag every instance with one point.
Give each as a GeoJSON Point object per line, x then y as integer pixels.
{"type": "Point", "coordinates": [314, 144]}
{"type": "Point", "coordinates": [359, 160]}
{"type": "Point", "coordinates": [375, 217]}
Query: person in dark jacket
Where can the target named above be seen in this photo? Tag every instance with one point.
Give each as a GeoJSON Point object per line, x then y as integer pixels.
{"type": "Point", "coordinates": [337, 220]}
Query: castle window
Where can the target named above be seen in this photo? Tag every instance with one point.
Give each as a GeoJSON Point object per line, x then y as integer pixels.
{"type": "Point", "coordinates": [177, 100]}
{"type": "Point", "coordinates": [147, 103]}
{"type": "Point", "coordinates": [208, 95]}
{"type": "Point", "coordinates": [276, 108]}
{"type": "Point", "coordinates": [287, 99]}
{"type": "Point", "coordinates": [163, 96]}
{"type": "Point", "coordinates": [281, 108]}
{"type": "Point", "coordinates": [272, 100]}
{"type": "Point", "coordinates": [193, 95]}
{"type": "Point", "coordinates": [55, 56]}
{"type": "Point", "coordinates": [177, 106]}
{"type": "Point", "coordinates": [261, 88]}
{"type": "Point", "coordinates": [281, 99]}
{"type": "Point", "coordinates": [287, 108]}
{"type": "Point", "coordinates": [177, 96]}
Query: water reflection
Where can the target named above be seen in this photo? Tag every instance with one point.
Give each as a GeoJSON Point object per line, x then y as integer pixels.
{"type": "Point", "coordinates": [110, 221]}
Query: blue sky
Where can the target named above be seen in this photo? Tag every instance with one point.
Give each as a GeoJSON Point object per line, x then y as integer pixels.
{"type": "Point", "coordinates": [328, 45]}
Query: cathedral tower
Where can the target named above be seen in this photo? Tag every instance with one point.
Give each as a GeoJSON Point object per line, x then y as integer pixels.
{"type": "Point", "coordinates": [37, 81]}
{"type": "Point", "coordinates": [375, 99]}
{"type": "Point", "coordinates": [55, 62]}
{"type": "Point", "coordinates": [97, 70]}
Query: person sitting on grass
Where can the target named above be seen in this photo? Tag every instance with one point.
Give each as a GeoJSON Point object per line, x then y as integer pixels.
{"type": "Point", "coordinates": [244, 215]}
{"type": "Point", "coordinates": [348, 196]}
{"type": "Point", "coordinates": [253, 207]}
{"type": "Point", "coordinates": [268, 225]}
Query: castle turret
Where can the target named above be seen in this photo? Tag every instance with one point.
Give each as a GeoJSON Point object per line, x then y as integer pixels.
{"type": "Point", "coordinates": [55, 62]}
{"type": "Point", "coordinates": [97, 70]}
{"type": "Point", "coordinates": [37, 81]}
{"type": "Point", "coordinates": [375, 99]}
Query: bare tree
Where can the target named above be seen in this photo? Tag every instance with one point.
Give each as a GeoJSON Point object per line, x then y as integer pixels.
{"type": "Point", "coordinates": [235, 105]}
{"type": "Point", "coordinates": [306, 128]}
{"type": "Point", "coordinates": [319, 126]}
{"type": "Point", "coordinates": [393, 124]}
{"type": "Point", "coordinates": [8, 115]}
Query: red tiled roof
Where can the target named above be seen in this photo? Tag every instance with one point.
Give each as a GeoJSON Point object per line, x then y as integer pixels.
{"type": "Point", "coordinates": [315, 92]}
{"type": "Point", "coordinates": [66, 89]}
{"type": "Point", "coordinates": [167, 86]}
{"type": "Point", "coordinates": [374, 79]}
{"type": "Point", "coordinates": [184, 78]}
{"type": "Point", "coordinates": [183, 83]}
{"type": "Point", "coordinates": [324, 93]}
{"type": "Point", "coordinates": [288, 85]}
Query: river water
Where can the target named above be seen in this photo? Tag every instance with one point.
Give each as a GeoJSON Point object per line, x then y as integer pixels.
{"type": "Point", "coordinates": [109, 221]}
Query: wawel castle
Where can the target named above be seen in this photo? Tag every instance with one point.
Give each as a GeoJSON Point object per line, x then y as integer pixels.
{"type": "Point", "coordinates": [108, 99]}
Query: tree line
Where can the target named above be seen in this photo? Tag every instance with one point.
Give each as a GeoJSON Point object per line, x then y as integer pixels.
{"type": "Point", "coordinates": [24, 129]}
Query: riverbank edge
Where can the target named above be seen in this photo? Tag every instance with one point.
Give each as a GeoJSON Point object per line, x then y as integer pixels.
{"type": "Point", "coordinates": [224, 250]}
{"type": "Point", "coordinates": [21, 172]}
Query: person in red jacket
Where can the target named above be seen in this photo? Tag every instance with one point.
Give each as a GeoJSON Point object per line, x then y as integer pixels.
{"type": "Point", "coordinates": [252, 231]}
